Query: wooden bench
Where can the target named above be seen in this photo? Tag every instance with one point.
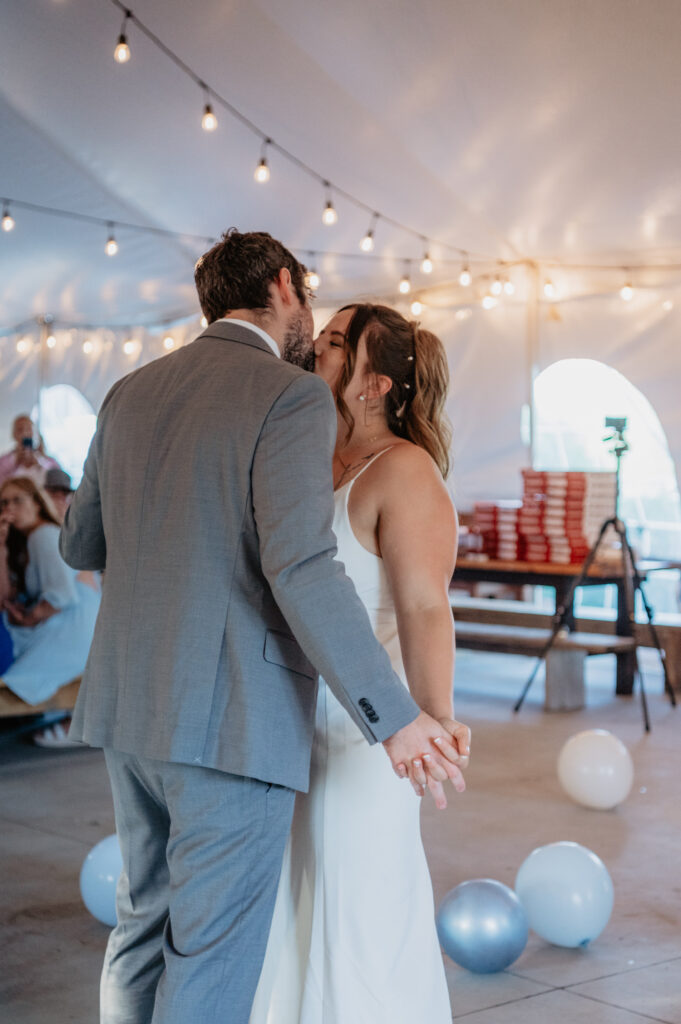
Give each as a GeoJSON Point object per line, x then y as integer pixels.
{"type": "Point", "coordinates": [565, 664]}
{"type": "Point", "coordinates": [523, 613]}
{"type": "Point", "coordinates": [63, 700]}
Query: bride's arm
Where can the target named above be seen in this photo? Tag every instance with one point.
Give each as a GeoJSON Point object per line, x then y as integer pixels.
{"type": "Point", "coordinates": [417, 532]}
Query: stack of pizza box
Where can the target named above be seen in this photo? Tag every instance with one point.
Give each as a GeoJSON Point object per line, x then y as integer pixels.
{"type": "Point", "coordinates": [497, 523]}
{"type": "Point", "coordinates": [562, 513]}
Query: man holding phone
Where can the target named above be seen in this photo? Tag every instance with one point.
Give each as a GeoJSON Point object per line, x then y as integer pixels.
{"type": "Point", "coordinates": [27, 457]}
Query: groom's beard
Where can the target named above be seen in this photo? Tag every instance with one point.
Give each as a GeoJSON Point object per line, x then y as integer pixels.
{"type": "Point", "coordinates": [297, 346]}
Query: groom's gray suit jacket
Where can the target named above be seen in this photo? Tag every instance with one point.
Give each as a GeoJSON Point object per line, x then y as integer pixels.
{"type": "Point", "coordinates": [207, 498]}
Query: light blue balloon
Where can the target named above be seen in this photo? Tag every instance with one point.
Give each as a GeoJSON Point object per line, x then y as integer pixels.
{"type": "Point", "coordinates": [99, 877]}
{"type": "Point", "coordinates": [482, 926]}
{"type": "Point", "coordinates": [567, 893]}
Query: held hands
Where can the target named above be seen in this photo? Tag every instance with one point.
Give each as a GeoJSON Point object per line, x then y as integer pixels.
{"type": "Point", "coordinates": [429, 752]}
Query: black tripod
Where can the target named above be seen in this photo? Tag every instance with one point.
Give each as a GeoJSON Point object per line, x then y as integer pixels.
{"type": "Point", "coordinates": [632, 583]}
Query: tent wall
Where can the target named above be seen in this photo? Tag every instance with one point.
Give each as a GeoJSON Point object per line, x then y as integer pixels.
{"type": "Point", "coordinates": [488, 357]}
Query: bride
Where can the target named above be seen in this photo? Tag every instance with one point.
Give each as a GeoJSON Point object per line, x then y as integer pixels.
{"type": "Point", "coordinates": [353, 937]}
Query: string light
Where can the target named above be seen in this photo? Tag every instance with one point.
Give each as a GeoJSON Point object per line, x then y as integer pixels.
{"type": "Point", "coordinates": [627, 292]}
{"type": "Point", "coordinates": [416, 308]}
{"type": "Point", "coordinates": [405, 284]}
{"type": "Point", "coordinates": [7, 218]}
{"type": "Point", "coordinates": [51, 341]}
{"type": "Point", "coordinates": [129, 347]}
{"type": "Point", "coordinates": [549, 289]}
{"type": "Point", "coordinates": [111, 247]}
{"type": "Point", "coordinates": [667, 305]}
{"type": "Point", "coordinates": [262, 171]}
{"type": "Point", "coordinates": [465, 277]}
{"type": "Point", "coordinates": [312, 280]}
{"type": "Point", "coordinates": [24, 345]}
{"type": "Point", "coordinates": [122, 50]}
{"type": "Point", "coordinates": [497, 286]}
{"type": "Point", "coordinates": [168, 343]}
{"type": "Point", "coordinates": [509, 287]}
{"type": "Point", "coordinates": [367, 243]}
{"type": "Point", "coordinates": [209, 121]}
{"type": "Point", "coordinates": [329, 216]}
{"type": "Point", "coordinates": [489, 302]}
{"type": "Point", "coordinates": [88, 347]}
{"type": "Point", "coordinates": [426, 264]}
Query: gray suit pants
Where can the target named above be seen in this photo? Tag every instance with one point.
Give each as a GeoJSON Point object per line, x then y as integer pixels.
{"type": "Point", "coordinates": [202, 854]}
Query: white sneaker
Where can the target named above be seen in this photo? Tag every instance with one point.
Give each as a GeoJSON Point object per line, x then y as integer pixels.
{"type": "Point", "coordinates": [56, 735]}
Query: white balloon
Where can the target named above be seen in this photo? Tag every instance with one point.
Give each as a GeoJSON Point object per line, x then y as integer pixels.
{"type": "Point", "coordinates": [567, 893]}
{"type": "Point", "coordinates": [595, 769]}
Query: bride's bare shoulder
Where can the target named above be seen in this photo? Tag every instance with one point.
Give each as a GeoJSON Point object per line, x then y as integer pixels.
{"type": "Point", "coordinates": [405, 466]}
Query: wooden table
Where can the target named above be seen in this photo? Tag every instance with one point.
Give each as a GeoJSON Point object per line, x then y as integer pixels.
{"type": "Point", "coordinates": [470, 569]}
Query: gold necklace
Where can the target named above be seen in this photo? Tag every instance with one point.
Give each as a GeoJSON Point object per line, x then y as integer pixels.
{"type": "Point", "coordinates": [349, 468]}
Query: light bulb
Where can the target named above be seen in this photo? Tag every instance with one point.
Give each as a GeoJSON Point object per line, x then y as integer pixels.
{"type": "Point", "coordinates": [549, 289]}
{"type": "Point", "coordinates": [367, 243]}
{"type": "Point", "coordinates": [497, 286]}
{"type": "Point", "coordinates": [426, 265]}
{"type": "Point", "coordinates": [329, 216]}
{"type": "Point", "coordinates": [262, 172]}
{"type": "Point", "coordinates": [122, 51]}
{"type": "Point", "coordinates": [312, 280]}
{"type": "Point", "coordinates": [51, 341]}
{"type": "Point", "coordinates": [509, 287]}
{"type": "Point", "coordinates": [204, 321]}
{"type": "Point", "coordinates": [88, 347]}
{"type": "Point", "coordinates": [129, 347]}
{"type": "Point", "coordinates": [168, 343]}
{"type": "Point", "coordinates": [416, 307]}
{"type": "Point", "coordinates": [111, 247]}
{"type": "Point", "coordinates": [627, 292]}
{"type": "Point", "coordinates": [24, 346]}
{"type": "Point", "coordinates": [209, 121]}
{"type": "Point", "coordinates": [489, 302]}
{"type": "Point", "coordinates": [405, 285]}
{"type": "Point", "coordinates": [465, 277]}
{"type": "Point", "coordinates": [7, 220]}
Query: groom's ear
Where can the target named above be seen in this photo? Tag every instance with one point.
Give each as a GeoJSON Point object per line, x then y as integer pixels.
{"type": "Point", "coordinates": [283, 286]}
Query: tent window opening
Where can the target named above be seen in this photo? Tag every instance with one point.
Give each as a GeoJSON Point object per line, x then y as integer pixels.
{"type": "Point", "coordinates": [572, 399]}
{"type": "Point", "coordinates": [67, 423]}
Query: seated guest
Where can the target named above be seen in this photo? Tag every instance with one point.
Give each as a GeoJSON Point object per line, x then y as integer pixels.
{"type": "Point", "coordinates": [27, 457]}
{"type": "Point", "coordinates": [58, 488]}
{"type": "Point", "coordinates": [51, 610]}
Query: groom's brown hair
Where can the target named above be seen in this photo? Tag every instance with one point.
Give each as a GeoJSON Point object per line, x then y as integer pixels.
{"type": "Point", "coordinates": [237, 272]}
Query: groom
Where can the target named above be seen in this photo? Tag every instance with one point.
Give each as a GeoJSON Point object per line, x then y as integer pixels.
{"type": "Point", "coordinates": [207, 498]}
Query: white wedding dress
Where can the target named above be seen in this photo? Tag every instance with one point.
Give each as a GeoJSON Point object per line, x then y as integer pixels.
{"type": "Point", "coordinates": [353, 937]}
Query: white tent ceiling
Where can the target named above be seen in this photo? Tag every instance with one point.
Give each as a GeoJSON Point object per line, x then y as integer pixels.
{"type": "Point", "coordinates": [509, 128]}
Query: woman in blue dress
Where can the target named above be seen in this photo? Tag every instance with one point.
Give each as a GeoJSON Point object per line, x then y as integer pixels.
{"type": "Point", "coordinates": [49, 609]}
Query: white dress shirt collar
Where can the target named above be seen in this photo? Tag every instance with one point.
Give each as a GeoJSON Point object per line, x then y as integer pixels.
{"type": "Point", "coordinates": [258, 330]}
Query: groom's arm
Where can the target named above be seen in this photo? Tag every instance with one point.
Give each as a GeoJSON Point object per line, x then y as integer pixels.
{"type": "Point", "coordinates": [292, 485]}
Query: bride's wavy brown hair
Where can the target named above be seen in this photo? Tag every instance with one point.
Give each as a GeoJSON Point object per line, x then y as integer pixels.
{"type": "Point", "coordinates": [415, 362]}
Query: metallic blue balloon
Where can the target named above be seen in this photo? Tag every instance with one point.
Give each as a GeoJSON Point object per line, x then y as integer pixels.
{"type": "Point", "coordinates": [99, 877]}
{"type": "Point", "coordinates": [482, 925]}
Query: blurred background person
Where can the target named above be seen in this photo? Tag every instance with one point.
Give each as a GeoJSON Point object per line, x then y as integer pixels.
{"type": "Point", "coordinates": [59, 490]}
{"type": "Point", "coordinates": [49, 609]}
{"type": "Point", "coordinates": [27, 457]}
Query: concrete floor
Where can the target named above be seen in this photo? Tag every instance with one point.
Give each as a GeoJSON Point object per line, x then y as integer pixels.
{"type": "Point", "coordinates": [56, 805]}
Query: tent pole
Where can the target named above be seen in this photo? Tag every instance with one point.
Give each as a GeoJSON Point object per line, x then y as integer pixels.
{"type": "Point", "coordinates": [532, 350]}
